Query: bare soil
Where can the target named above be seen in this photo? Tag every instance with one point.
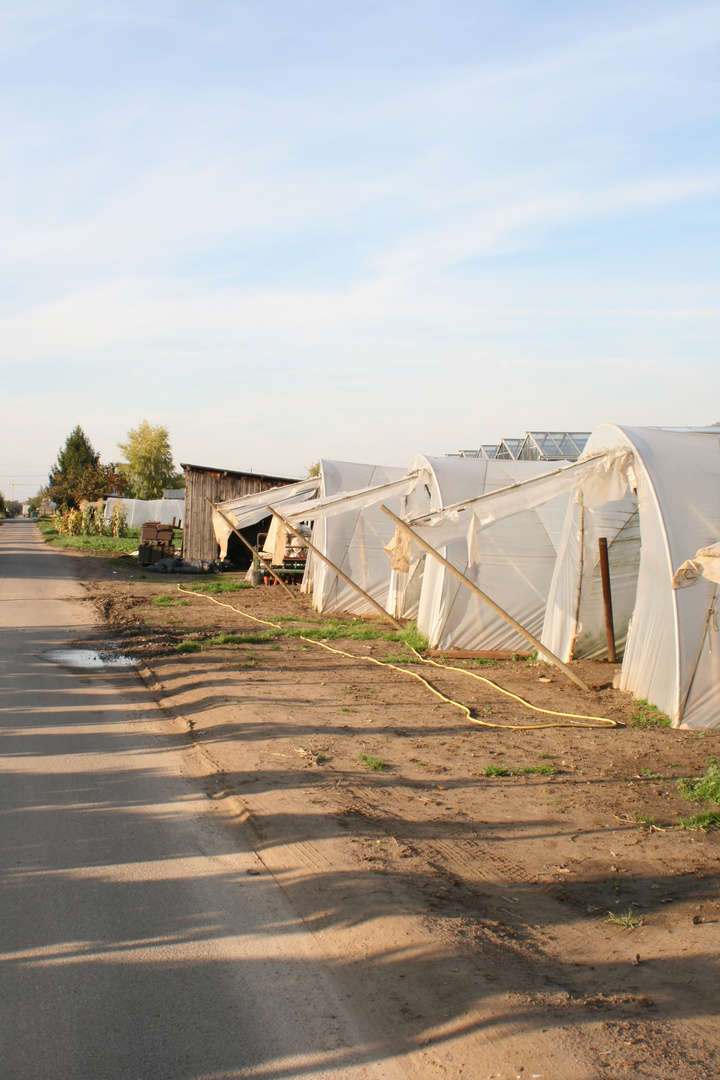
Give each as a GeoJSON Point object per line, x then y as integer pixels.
{"type": "Point", "coordinates": [511, 879]}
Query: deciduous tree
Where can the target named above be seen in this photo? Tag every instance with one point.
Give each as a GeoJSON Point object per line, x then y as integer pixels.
{"type": "Point", "coordinates": [149, 459]}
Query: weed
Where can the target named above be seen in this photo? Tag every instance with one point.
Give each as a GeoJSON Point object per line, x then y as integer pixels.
{"type": "Point", "coordinates": [169, 601]}
{"type": "Point", "coordinates": [538, 770]}
{"type": "Point", "coordinates": [319, 758]}
{"type": "Point", "coordinates": [258, 637]}
{"type": "Point", "coordinates": [373, 764]}
{"type": "Point", "coordinates": [705, 819]}
{"type": "Point", "coordinates": [355, 630]}
{"type": "Point", "coordinates": [644, 819]}
{"type": "Point", "coordinates": [547, 757]}
{"type": "Point", "coordinates": [275, 647]}
{"type": "Point", "coordinates": [406, 658]}
{"type": "Point", "coordinates": [419, 762]}
{"type": "Point", "coordinates": [647, 716]}
{"type": "Point", "coordinates": [626, 920]}
{"type": "Point", "coordinates": [212, 588]}
{"type": "Point", "coordinates": [704, 787]}
{"type": "Point", "coordinates": [188, 646]}
{"type": "Point", "coordinates": [344, 709]}
{"type": "Point", "coordinates": [412, 637]}
{"type": "Point", "coordinates": [496, 770]}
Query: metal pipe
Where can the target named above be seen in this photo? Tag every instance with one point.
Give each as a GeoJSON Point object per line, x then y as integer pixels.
{"type": "Point", "coordinates": [607, 598]}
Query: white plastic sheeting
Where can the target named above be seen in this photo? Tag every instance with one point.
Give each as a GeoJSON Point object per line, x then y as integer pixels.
{"type": "Point", "coordinates": [141, 510]}
{"type": "Point", "coordinates": [672, 654]}
{"type": "Point", "coordinates": [248, 510]}
{"type": "Point", "coordinates": [352, 536]}
{"type": "Point", "coordinates": [506, 548]}
{"type": "Point", "coordinates": [352, 531]}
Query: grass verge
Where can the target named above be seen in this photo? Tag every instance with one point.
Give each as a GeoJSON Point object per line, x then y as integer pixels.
{"type": "Point", "coordinates": [705, 787]}
{"type": "Point", "coordinates": [646, 717]}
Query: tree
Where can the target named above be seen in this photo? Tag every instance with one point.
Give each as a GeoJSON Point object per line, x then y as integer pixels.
{"type": "Point", "coordinates": [78, 474]}
{"type": "Point", "coordinates": [149, 466]}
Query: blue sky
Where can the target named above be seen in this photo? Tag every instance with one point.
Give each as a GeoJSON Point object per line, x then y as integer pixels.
{"type": "Point", "coordinates": [362, 230]}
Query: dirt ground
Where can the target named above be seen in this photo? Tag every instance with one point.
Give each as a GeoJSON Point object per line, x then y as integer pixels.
{"type": "Point", "coordinates": [511, 878]}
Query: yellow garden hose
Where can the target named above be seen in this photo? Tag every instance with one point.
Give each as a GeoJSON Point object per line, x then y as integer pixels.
{"type": "Point", "coordinates": [567, 719]}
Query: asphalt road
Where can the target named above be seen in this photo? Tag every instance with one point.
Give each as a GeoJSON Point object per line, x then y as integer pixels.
{"type": "Point", "coordinates": [139, 938]}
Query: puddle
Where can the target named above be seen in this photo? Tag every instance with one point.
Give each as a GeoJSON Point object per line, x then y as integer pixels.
{"type": "Point", "coordinates": [89, 658]}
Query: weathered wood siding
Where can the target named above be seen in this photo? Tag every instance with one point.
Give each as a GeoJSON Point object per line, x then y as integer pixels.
{"type": "Point", "coordinates": [217, 485]}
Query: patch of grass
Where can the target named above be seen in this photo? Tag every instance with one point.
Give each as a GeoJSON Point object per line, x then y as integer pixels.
{"type": "Point", "coordinates": [165, 600]}
{"type": "Point", "coordinates": [546, 757]}
{"type": "Point", "coordinates": [705, 819]}
{"type": "Point", "coordinates": [705, 787]}
{"type": "Point", "coordinates": [344, 709]}
{"type": "Point", "coordinates": [212, 588]}
{"type": "Point", "coordinates": [626, 920]}
{"type": "Point", "coordinates": [188, 646]}
{"type": "Point", "coordinates": [412, 637]}
{"type": "Point", "coordinates": [373, 764]}
{"type": "Point", "coordinates": [646, 716]}
{"type": "Point", "coordinates": [405, 658]}
{"type": "Point", "coordinates": [538, 770]}
{"type": "Point", "coordinates": [320, 758]}
{"type": "Point", "coordinates": [124, 544]}
{"type": "Point", "coordinates": [496, 770]}
{"type": "Point", "coordinates": [645, 819]}
{"type": "Point", "coordinates": [258, 637]}
{"type": "Point", "coordinates": [419, 762]}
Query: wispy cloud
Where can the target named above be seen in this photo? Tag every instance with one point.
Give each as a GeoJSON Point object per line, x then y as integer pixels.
{"type": "Point", "coordinates": [376, 204]}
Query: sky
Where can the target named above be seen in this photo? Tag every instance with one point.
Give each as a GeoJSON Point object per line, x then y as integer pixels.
{"type": "Point", "coordinates": [354, 229]}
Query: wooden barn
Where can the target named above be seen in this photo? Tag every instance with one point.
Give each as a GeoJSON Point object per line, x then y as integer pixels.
{"type": "Point", "coordinates": [202, 483]}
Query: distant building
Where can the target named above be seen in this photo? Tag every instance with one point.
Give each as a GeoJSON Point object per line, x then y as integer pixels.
{"type": "Point", "coordinates": [533, 446]}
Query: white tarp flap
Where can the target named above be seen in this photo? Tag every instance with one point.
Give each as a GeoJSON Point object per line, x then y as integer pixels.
{"type": "Point", "coordinates": [672, 654]}
{"type": "Point", "coordinates": [605, 472]}
{"type": "Point", "coordinates": [705, 564]}
{"type": "Point", "coordinates": [141, 510]}
{"type": "Point", "coordinates": [250, 509]}
{"type": "Point", "coordinates": [345, 501]}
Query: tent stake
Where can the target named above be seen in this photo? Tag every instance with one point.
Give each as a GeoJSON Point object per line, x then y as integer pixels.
{"type": "Point", "coordinates": [607, 598]}
{"type": "Point", "coordinates": [338, 571]}
{"type": "Point", "coordinates": [491, 603]}
{"type": "Point", "coordinates": [252, 549]}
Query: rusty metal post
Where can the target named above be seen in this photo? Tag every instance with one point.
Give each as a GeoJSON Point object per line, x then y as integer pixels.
{"type": "Point", "coordinates": [607, 598]}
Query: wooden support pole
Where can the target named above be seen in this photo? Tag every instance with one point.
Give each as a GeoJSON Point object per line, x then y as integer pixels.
{"type": "Point", "coordinates": [607, 598]}
{"type": "Point", "coordinates": [336, 569]}
{"type": "Point", "coordinates": [491, 603]}
{"type": "Point", "coordinates": [252, 549]}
